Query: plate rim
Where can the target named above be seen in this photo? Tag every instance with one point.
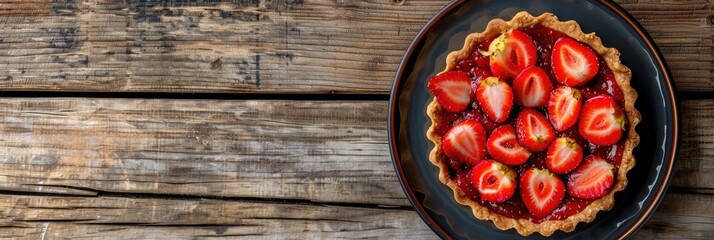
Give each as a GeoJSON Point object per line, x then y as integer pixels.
{"type": "Point", "coordinates": [623, 15]}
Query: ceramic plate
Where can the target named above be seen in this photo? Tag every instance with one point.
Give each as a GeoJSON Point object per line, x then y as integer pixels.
{"type": "Point", "coordinates": [446, 32]}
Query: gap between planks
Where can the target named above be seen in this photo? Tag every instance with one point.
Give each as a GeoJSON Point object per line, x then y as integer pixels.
{"type": "Point", "coordinates": [332, 96]}
{"type": "Point", "coordinates": [162, 196]}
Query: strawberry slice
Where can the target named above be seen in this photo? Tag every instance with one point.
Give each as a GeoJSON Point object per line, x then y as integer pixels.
{"type": "Point", "coordinates": [466, 142]}
{"type": "Point", "coordinates": [564, 155]}
{"type": "Point", "coordinates": [452, 90]}
{"type": "Point", "coordinates": [541, 191]}
{"type": "Point", "coordinates": [564, 107]}
{"type": "Point", "coordinates": [533, 130]}
{"type": "Point", "coordinates": [602, 121]}
{"type": "Point", "coordinates": [531, 87]}
{"type": "Point", "coordinates": [591, 180]}
{"type": "Point", "coordinates": [510, 53]}
{"type": "Point", "coordinates": [573, 63]}
{"type": "Point", "coordinates": [503, 146]}
{"type": "Point", "coordinates": [494, 181]}
{"type": "Point", "coordinates": [495, 98]}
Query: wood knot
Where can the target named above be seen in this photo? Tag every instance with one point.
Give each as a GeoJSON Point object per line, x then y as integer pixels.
{"type": "Point", "coordinates": [710, 19]}
{"type": "Point", "coordinates": [398, 2]}
{"type": "Point", "coordinates": [217, 65]}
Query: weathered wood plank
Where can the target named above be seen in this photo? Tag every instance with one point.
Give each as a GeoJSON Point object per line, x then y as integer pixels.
{"type": "Point", "coordinates": [681, 216]}
{"type": "Point", "coordinates": [333, 151]}
{"type": "Point", "coordinates": [318, 151]}
{"type": "Point", "coordinates": [103, 217]}
{"type": "Point", "coordinates": [265, 46]}
{"type": "Point", "coordinates": [695, 166]}
{"type": "Point", "coordinates": [684, 32]}
{"type": "Point", "coordinates": [92, 218]}
{"type": "Point", "coordinates": [206, 46]}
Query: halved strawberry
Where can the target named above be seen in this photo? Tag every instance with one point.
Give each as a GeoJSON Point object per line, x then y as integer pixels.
{"type": "Point", "coordinates": [602, 121]}
{"type": "Point", "coordinates": [533, 130]}
{"type": "Point", "coordinates": [591, 180]}
{"type": "Point", "coordinates": [494, 181]}
{"type": "Point", "coordinates": [503, 146]}
{"type": "Point", "coordinates": [452, 90]}
{"type": "Point", "coordinates": [541, 191]}
{"type": "Point", "coordinates": [510, 53]}
{"type": "Point", "coordinates": [531, 87]}
{"type": "Point", "coordinates": [466, 142]}
{"type": "Point", "coordinates": [573, 63]}
{"type": "Point", "coordinates": [495, 98]}
{"type": "Point", "coordinates": [564, 107]}
{"type": "Point", "coordinates": [564, 155]}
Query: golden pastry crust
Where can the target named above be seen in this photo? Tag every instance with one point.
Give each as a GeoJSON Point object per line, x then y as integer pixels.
{"type": "Point", "coordinates": [622, 75]}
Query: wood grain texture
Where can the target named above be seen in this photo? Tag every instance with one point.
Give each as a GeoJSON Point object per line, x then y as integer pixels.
{"type": "Point", "coordinates": [283, 46]}
{"type": "Point", "coordinates": [108, 217]}
{"type": "Point", "coordinates": [695, 166]}
{"type": "Point", "coordinates": [32, 217]}
{"type": "Point", "coordinates": [206, 46]}
{"type": "Point", "coordinates": [681, 216]}
{"type": "Point", "coordinates": [684, 32]}
{"type": "Point", "coordinates": [332, 151]}
{"type": "Point", "coordinates": [99, 168]}
{"type": "Point", "coordinates": [308, 150]}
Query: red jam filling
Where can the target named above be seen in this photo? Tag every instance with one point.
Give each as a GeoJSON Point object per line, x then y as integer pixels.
{"type": "Point", "coordinates": [477, 67]}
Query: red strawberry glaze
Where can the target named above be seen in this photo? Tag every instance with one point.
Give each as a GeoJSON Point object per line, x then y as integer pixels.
{"type": "Point", "coordinates": [544, 39]}
{"type": "Point", "coordinates": [463, 181]}
{"type": "Point", "coordinates": [477, 67]}
{"type": "Point", "coordinates": [569, 206]}
{"type": "Point", "coordinates": [604, 83]}
{"type": "Point", "coordinates": [515, 208]}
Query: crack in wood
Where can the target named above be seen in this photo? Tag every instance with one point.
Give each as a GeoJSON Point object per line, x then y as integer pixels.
{"type": "Point", "coordinates": [257, 70]}
{"type": "Point", "coordinates": [76, 220]}
{"type": "Point", "coordinates": [229, 235]}
{"type": "Point", "coordinates": [171, 225]}
{"type": "Point", "coordinates": [304, 219]}
{"type": "Point", "coordinates": [285, 201]}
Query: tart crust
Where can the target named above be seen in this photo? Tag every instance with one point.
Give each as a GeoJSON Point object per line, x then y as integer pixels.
{"type": "Point", "coordinates": [622, 76]}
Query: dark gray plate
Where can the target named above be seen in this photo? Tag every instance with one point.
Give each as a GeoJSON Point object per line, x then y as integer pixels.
{"type": "Point", "coordinates": [446, 32]}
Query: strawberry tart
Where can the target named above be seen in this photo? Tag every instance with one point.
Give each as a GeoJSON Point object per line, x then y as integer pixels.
{"type": "Point", "coordinates": [533, 123]}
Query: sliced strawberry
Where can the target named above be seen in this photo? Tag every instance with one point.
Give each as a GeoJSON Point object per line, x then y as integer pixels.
{"type": "Point", "coordinates": [510, 53]}
{"type": "Point", "coordinates": [531, 87]}
{"type": "Point", "coordinates": [466, 142]}
{"type": "Point", "coordinates": [452, 90]}
{"type": "Point", "coordinates": [541, 191]}
{"type": "Point", "coordinates": [495, 98]}
{"type": "Point", "coordinates": [564, 107]}
{"type": "Point", "coordinates": [602, 121]}
{"type": "Point", "coordinates": [564, 155]}
{"type": "Point", "coordinates": [494, 181]}
{"type": "Point", "coordinates": [503, 146]}
{"type": "Point", "coordinates": [573, 63]}
{"type": "Point", "coordinates": [533, 130]}
{"type": "Point", "coordinates": [591, 180]}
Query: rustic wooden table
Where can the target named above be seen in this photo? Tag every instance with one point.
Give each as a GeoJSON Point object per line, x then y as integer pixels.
{"type": "Point", "coordinates": [197, 119]}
